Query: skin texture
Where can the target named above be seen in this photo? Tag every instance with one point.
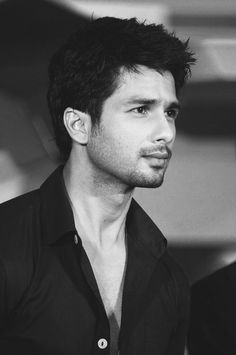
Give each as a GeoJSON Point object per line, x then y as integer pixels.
{"type": "Point", "coordinates": [138, 120]}
{"type": "Point", "coordinates": [130, 147]}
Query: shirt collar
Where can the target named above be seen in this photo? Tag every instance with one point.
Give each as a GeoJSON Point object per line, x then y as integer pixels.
{"type": "Point", "coordinates": [57, 217]}
{"type": "Point", "coordinates": [56, 214]}
{"type": "Point", "coordinates": [143, 231]}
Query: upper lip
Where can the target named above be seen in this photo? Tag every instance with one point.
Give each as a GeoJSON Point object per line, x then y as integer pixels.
{"type": "Point", "coordinates": [159, 155]}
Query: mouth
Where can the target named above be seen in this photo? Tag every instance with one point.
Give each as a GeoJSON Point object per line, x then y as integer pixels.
{"type": "Point", "coordinates": [157, 159]}
{"type": "Point", "coordinates": [159, 155]}
{"type": "Point", "coordinates": [159, 151]}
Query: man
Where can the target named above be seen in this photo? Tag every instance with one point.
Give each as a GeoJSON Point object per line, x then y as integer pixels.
{"type": "Point", "coordinates": [83, 268]}
{"type": "Point", "coordinates": [213, 314]}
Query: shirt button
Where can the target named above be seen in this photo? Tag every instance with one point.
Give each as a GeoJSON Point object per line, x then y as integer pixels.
{"type": "Point", "coordinates": [76, 241]}
{"type": "Point", "coordinates": [102, 343]}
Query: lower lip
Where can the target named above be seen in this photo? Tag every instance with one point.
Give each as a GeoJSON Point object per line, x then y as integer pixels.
{"type": "Point", "coordinates": [160, 162]}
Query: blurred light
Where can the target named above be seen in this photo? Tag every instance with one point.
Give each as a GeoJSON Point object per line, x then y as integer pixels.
{"type": "Point", "coordinates": [223, 55]}
{"type": "Point", "coordinates": [12, 179]}
{"type": "Point", "coordinates": [153, 13]}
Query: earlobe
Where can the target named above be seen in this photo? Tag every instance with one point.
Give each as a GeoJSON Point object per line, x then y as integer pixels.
{"type": "Point", "coordinates": [77, 125]}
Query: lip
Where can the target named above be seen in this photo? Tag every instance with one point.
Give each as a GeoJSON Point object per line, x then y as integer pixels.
{"type": "Point", "coordinates": [158, 155]}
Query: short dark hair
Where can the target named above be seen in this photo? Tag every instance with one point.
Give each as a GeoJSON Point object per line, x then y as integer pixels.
{"type": "Point", "coordinates": [83, 72]}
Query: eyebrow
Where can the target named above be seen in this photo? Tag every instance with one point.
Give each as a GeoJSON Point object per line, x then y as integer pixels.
{"type": "Point", "coordinates": [175, 105]}
{"type": "Point", "coordinates": [146, 101]}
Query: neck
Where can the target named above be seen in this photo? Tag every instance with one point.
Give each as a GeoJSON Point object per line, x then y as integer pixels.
{"type": "Point", "coordinates": [99, 206]}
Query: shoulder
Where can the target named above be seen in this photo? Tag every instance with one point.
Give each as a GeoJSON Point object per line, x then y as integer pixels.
{"type": "Point", "coordinates": [19, 218]}
{"type": "Point", "coordinates": [19, 246]}
{"type": "Point", "coordinates": [213, 300]}
{"type": "Point", "coordinates": [18, 204]}
{"type": "Point", "coordinates": [16, 215]}
{"type": "Point", "coordinates": [19, 222]}
{"type": "Point", "coordinates": [213, 312]}
{"type": "Point", "coordinates": [218, 277]}
{"type": "Point", "coordinates": [18, 208]}
{"type": "Point", "coordinates": [217, 286]}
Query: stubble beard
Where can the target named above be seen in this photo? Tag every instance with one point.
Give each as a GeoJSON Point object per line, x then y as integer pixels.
{"type": "Point", "coordinates": [132, 177]}
{"type": "Point", "coordinates": [155, 177]}
{"type": "Point", "coordinates": [143, 180]}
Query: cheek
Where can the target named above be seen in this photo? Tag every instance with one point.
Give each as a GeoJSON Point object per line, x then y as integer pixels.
{"type": "Point", "coordinates": [117, 144]}
{"type": "Point", "coordinates": [119, 139]}
{"type": "Point", "coordinates": [104, 148]}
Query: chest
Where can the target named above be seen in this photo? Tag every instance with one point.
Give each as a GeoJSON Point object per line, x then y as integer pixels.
{"type": "Point", "coordinates": [109, 274]}
{"type": "Point", "coordinates": [60, 297]}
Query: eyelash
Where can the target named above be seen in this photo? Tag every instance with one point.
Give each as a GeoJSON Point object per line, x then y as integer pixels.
{"type": "Point", "coordinates": [174, 113]}
{"type": "Point", "coordinates": [171, 113]}
{"type": "Point", "coordinates": [144, 108]}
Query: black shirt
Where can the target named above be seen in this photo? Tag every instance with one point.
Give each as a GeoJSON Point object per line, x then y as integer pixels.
{"type": "Point", "coordinates": [49, 298]}
{"type": "Point", "coordinates": [213, 314]}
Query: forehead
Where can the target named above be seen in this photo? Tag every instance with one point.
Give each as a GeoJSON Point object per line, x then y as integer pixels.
{"type": "Point", "coordinates": [145, 82]}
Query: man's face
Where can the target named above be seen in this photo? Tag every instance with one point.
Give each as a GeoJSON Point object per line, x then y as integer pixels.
{"type": "Point", "coordinates": [133, 142]}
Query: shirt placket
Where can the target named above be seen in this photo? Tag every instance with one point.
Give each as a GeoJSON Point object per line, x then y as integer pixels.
{"type": "Point", "coordinates": [101, 337]}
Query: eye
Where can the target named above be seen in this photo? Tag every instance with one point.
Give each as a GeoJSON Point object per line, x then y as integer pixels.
{"type": "Point", "coordinates": [172, 113]}
{"type": "Point", "coordinates": [141, 110]}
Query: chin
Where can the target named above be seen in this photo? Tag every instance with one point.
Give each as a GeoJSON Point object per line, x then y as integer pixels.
{"type": "Point", "coordinates": [151, 184]}
{"type": "Point", "coordinates": [148, 181]}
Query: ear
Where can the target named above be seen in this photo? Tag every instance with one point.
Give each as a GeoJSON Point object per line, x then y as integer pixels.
{"type": "Point", "coordinates": [77, 124]}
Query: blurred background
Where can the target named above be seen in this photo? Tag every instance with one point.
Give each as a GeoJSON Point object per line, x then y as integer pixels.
{"type": "Point", "coordinates": [196, 206]}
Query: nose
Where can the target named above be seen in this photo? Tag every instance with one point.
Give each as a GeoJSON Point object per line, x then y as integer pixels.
{"type": "Point", "coordinates": [165, 130]}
